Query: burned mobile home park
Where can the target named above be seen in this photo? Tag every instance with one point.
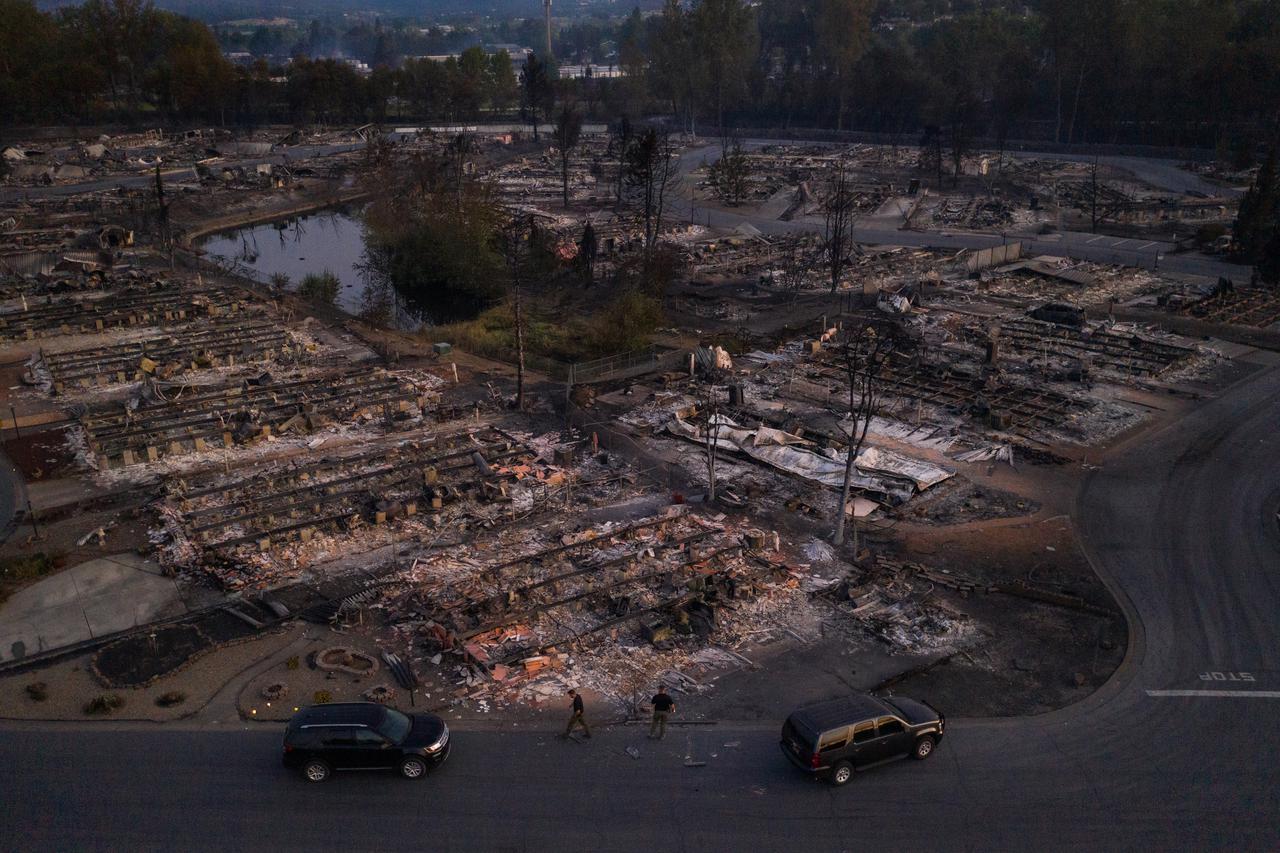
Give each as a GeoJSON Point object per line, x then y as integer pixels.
{"type": "Point", "coordinates": [625, 460]}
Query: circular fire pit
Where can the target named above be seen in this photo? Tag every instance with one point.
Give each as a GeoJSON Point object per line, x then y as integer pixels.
{"type": "Point", "coordinates": [273, 692]}
{"type": "Point", "coordinates": [383, 694]}
{"type": "Point", "coordinates": [342, 659]}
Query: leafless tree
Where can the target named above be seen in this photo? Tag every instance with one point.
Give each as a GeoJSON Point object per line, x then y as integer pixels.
{"type": "Point", "coordinates": [1102, 200]}
{"type": "Point", "coordinates": [712, 434]}
{"type": "Point", "coordinates": [837, 234]}
{"type": "Point", "coordinates": [620, 136]}
{"type": "Point", "coordinates": [650, 167]}
{"type": "Point", "coordinates": [162, 217]}
{"type": "Point", "coordinates": [864, 354]}
{"type": "Point", "coordinates": [793, 267]}
{"type": "Point", "coordinates": [566, 132]}
{"type": "Point", "coordinates": [516, 239]}
{"type": "Point", "coordinates": [461, 148]}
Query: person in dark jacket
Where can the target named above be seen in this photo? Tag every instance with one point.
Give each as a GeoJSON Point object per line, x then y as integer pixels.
{"type": "Point", "coordinates": [663, 705]}
{"type": "Point", "coordinates": [575, 717]}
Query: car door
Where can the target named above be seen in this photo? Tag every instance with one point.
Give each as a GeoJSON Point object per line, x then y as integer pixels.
{"type": "Point", "coordinates": [863, 744]}
{"type": "Point", "coordinates": [891, 739]}
{"type": "Point", "coordinates": [374, 750]}
{"type": "Point", "coordinates": [338, 746]}
{"type": "Point", "coordinates": [831, 745]}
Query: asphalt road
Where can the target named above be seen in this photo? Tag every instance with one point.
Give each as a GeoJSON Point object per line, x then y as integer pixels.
{"type": "Point", "coordinates": [1182, 526]}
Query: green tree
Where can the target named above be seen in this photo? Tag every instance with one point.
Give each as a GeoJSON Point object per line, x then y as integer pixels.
{"type": "Point", "coordinates": [674, 66]}
{"type": "Point", "coordinates": [1258, 218]}
{"type": "Point", "coordinates": [502, 88]}
{"type": "Point", "coordinates": [844, 31]}
{"type": "Point", "coordinates": [731, 175]}
{"type": "Point", "coordinates": [725, 39]}
{"type": "Point", "coordinates": [537, 91]}
{"type": "Point", "coordinates": [436, 242]}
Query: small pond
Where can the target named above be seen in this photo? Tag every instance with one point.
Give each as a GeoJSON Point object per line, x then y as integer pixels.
{"type": "Point", "coordinates": [332, 240]}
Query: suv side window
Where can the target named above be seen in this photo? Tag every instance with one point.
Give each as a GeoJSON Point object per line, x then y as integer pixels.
{"type": "Point", "coordinates": [890, 726]}
{"type": "Point", "coordinates": [339, 737]}
{"type": "Point", "coordinates": [368, 737]}
{"type": "Point", "coordinates": [865, 732]}
{"type": "Point", "coordinates": [833, 739]}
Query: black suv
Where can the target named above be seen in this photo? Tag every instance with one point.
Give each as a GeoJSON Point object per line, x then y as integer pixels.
{"type": "Point", "coordinates": [363, 736]}
{"type": "Point", "coordinates": [833, 739]}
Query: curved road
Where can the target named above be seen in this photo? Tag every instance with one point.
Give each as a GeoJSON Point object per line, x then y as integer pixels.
{"type": "Point", "coordinates": [1167, 756]}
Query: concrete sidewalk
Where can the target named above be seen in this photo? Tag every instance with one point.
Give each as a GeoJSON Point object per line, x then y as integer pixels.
{"type": "Point", "coordinates": [90, 600]}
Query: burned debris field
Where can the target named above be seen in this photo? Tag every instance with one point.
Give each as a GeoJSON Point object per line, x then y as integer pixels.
{"type": "Point", "coordinates": [682, 437]}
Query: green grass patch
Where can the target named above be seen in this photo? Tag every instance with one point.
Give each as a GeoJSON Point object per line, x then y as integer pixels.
{"type": "Point", "coordinates": [622, 324]}
{"type": "Point", "coordinates": [18, 571]}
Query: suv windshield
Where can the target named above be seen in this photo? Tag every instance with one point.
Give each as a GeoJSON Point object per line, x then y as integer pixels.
{"type": "Point", "coordinates": [395, 725]}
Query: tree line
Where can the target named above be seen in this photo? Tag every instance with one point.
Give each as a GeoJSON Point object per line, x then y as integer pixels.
{"type": "Point", "coordinates": [1160, 72]}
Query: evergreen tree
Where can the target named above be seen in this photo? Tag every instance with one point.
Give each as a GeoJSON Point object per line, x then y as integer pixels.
{"type": "Point", "coordinates": [1257, 219]}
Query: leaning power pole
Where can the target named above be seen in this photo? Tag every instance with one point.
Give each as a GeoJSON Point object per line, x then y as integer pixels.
{"type": "Point", "coordinates": [546, 8]}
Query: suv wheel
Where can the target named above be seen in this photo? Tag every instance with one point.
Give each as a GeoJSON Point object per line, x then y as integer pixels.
{"type": "Point", "coordinates": [841, 773]}
{"type": "Point", "coordinates": [315, 771]}
{"type": "Point", "coordinates": [923, 748]}
{"type": "Point", "coordinates": [413, 768]}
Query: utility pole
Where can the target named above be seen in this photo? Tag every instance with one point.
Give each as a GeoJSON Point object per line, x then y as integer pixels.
{"type": "Point", "coordinates": [546, 8]}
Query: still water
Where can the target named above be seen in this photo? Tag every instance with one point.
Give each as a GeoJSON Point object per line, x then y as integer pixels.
{"type": "Point", "coordinates": [332, 240]}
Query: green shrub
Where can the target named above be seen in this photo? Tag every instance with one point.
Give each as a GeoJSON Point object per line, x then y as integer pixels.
{"type": "Point", "coordinates": [39, 691]}
{"type": "Point", "coordinates": [104, 704]}
{"type": "Point", "coordinates": [1209, 232]}
{"type": "Point", "coordinates": [322, 697]}
{"type": "Point", "coordinates": [26, 567]}
{"type": "Point", "coordinates": [626, 323]}
{"type": "Point", "coordinates": [173, 697]}
{"type": "Point", "coordinates": [320, 287]}
{"type": "Point", "coordinates": [292, 663]}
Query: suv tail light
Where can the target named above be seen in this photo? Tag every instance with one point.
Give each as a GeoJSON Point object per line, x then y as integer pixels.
{"type": "Point", "coordinates": [288, 748]}
{"type": "Point", "coordinates": [815, 761]}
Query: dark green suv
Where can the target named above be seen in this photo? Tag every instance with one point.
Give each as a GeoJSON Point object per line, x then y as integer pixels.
{"type": "Point", "coordinates": [833, 739]}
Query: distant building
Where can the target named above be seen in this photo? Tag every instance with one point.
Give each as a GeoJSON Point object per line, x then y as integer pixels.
{"type": "Point", "coordinates": [361, 68]}
{"type": "Point", "coordinates": [574, 72]}
{"type": "Point", "coordinates": [519, 55]}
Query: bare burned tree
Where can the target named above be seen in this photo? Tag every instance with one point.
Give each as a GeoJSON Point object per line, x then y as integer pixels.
{"type": "Point", "coordinates": [461, 148]}
{"type": "Point", "coordinates": [650, 167]}
{"type": "Point", "coordinates": [566, 131]}
{"type": "Point", "coordinates": [1102, 200]}
{"type": "Point", "coordinates": [517, 239]}
{"type": "Point", "coordinates": [793, 267]}
{"type": "Point", "coordinates": [863, 354]}
{"type": "Point", "coordinates": [712, 439]}
{"type": "Point", "coordinates": [620, 136]}
{"type": "Point", "coordinates": [162, 217]}
{"type": "Point", "coordinates": [837, 234]}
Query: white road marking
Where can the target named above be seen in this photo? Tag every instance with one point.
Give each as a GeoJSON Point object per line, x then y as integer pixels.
{"type": "Point", "coordinates": [1217, 694]}
{"type": "Point", "coordinates": [1092, 241]}
{"type": "Point", "coordinates": [1118, 244]}
{"type": "Point", "coordinates": [1145, 245]}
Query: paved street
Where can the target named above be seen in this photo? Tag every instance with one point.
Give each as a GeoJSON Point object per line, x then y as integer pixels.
{"type": "Point", "coordinates": [1178, 751]}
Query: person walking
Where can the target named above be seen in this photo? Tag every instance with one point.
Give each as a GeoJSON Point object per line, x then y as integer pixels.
{"type": "Point", "coordinates": [575, 717]}
{"type": "Point", "coordinates": [663, 705]}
